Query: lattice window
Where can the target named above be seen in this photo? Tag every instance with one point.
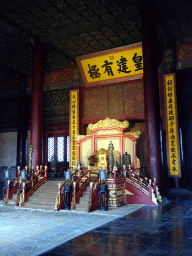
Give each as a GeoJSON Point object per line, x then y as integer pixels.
{"type": "Point", "coordinates": [60, 149]}
{"type": "Point", "coordinates": [50, 148]}
{"type": "Point", "coordinates": [68, 144]}
{"type": "Point", "coordinates": [58, 145]}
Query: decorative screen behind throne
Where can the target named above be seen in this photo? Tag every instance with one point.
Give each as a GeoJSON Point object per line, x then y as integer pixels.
{"type": "Point", "coordinates": [102, 133]}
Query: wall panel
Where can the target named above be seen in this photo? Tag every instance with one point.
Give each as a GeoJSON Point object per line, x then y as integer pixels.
{"type": "Point", "coordinates": [115, 101]}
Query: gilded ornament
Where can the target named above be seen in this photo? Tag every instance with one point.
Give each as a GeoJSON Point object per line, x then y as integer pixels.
{"type": "Point", "coordinates": [21, 202]}
{"type": "Point", "coordinates": [17, 200]}
{"type": "Point", "coordinates": [109, 123]}
{"type": "Point", "coordinates": [57, 201]}
{"type": "Point", "coordinates": [134, 134]}
{"type": "Point", "coordinates": [6, 197]}
{"type": "Point", "coordinates": [79, 137]}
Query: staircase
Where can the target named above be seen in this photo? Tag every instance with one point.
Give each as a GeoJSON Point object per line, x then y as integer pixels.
{"type": "Point", "coordinates": [82, 205]}
{"type": "Point", "coordinates": [44, 198]}
{"type": "Point", "coordinates": [141, 190]}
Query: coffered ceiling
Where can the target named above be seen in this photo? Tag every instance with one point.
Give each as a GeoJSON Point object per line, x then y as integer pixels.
{"type": "Point", "coordinates": [71, 28]}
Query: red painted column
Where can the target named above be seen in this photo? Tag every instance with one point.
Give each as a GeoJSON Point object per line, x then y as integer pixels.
{"type": "Point", "coordinates": [151, 93]}
{"type": "Point", "coordinates": [37, 104]}
{"type": "Point", "coordinates": [23, 122]}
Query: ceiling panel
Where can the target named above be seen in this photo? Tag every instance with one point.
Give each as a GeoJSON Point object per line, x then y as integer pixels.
{"type": "Point", "coordinates": [72, 28]}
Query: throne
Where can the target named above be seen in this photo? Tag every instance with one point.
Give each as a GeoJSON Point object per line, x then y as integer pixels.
{"type": "Point", "coordinates": [92, 148]}
{"type": "Point", "coordinates": [98, 161]}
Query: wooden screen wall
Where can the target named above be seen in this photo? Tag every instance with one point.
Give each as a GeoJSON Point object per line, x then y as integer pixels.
{"type": "Point", "coordinates": [120, 101]}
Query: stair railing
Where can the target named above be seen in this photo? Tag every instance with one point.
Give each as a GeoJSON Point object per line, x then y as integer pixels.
{"type": "Point", "coordinates": [139, 181]}
{"type": "Point", "coordinates": [20, 185]}
{"type": "Point", "coordinates": [93, 203]}
{"type": "Point", "coordinates": [12, 188]}
{"type": "Point", "coordinates": [145, 185]}
{"type": "Point", "coordinates": [38, 178]}
{"type": "Point", "coordinates": [59, 198]}
{"type": "Point", "coordinates": [79, 187]}
{"type": "Point", "coordinates": [7, 193]}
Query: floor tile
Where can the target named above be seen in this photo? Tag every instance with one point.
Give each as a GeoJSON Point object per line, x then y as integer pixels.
{"type": "Point", "coordinates": [164, 249]}
{"type": "Point", "coordinates": [175, 237]}
{"type": "Point", "coordinates": [130, 249]}
{"type": "Point", "coordinates": [145, 240]}
{"type": "Point", "coordinates": [185, 252]}
{"type": "Point", "coordinates": [67, 249]}
{"type": "Point", "coordinates": [164, 230]}
{"type": "Point", "coordinates": [52, 254]}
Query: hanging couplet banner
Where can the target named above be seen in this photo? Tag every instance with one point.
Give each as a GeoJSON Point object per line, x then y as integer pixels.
{"type": "Point", "coordinates": [173, 149]}
{"type": "Point", "coordinates": [73, 124]}
{"type": "Point", "coordinates": [110, 66]}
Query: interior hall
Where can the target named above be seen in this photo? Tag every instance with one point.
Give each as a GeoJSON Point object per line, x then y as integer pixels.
{"type": "Point", "coordinates": [95, 127]}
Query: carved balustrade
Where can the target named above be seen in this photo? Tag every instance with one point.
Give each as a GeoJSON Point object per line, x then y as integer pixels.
{"type": "Point", "coordinates": [93, 203]}
{"type": "Point", "coordinates": [79, 186]}
{"type": "Point", "coordinates": [35, 180]}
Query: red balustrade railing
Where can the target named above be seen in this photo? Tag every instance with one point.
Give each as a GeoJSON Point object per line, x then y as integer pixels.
{"type": "Point", "coordinates": [140, 181]}
{"type": "Point", "coordinates": [36, 180]}
{"type": "Point", "coordinates": [79, 186]}
{"type": "Point", "coordinates": [93, 203]}
{"type": "Point", "coordinates": [12, 188]}
{"type": "Point", "coordinates": [59, 198]}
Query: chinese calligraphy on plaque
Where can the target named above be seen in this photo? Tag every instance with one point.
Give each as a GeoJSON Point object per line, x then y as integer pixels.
{"type": "Point", "coordinates": [172, 128]}
{"type": "Point", "coordinates": [74, 115]}
{"type": "Point", "coordinates": [120, 63]}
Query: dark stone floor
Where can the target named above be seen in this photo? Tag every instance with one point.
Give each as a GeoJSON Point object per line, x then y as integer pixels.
{"type": "Point", "coordinates": [164, 230]}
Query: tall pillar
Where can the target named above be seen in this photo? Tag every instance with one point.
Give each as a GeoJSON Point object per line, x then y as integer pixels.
{"type": "Point", "coordinates": [37, 103]}
{"type": "Point", "coordinates": [151, 93]}
{"type": "Point", "coordinates": [22, 125]}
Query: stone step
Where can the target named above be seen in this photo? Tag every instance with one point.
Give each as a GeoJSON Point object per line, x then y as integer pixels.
{"type": "Point", "coordinates": [54, 181]}
{"type": "Point", "coordinates": [86, 192]}
{"type": "Point", "coordinates": [41, 200]}
{"type": "Point", "coordinates": [51, 188]}
{"type": "Point", "coordinates": [47, 202]}
{"type": "Point", "coordinates": [84, 200]}
{"type": "Point", "coordinates": [47, 191]}
{"type": "Point", "coordinates": [80, 209]}
{"type": "Point", "coordinates": [84, 196]}
{"type": "Point", "coordinates": [40, 206]}
{"type": "Point", "coordinates": [47, 184]}
{"type": "Point", "coordinates": [45, 195]}
{"type": "Point", "coordinates": [81, 205]}
{"type": "Point", "coordinates": [37, 192]}
{"type": "Point", "coordinates": [12, 201]}
{"type": "Point", "coordinates": [44, 190]}
{"type": "Point", "coordinates": [51, 183]}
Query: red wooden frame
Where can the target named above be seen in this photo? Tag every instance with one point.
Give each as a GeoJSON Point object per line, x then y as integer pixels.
{"type": "Point", "coordinates": [54, 133]}
{"type": "Point", "coordinates": [94, 137]}
{"type": "Point", "coordinates": [111, 51]}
